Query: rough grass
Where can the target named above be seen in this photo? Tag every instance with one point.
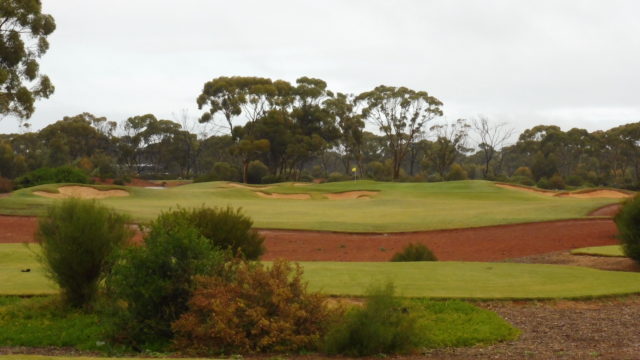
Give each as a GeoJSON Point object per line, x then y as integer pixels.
{"type": "Point", "coordinates": [472, 280]}
{"type": "Point", "coordinates": [610, 251]}
{"type": "Point", "coordinates": [396, 207]}
{"type": "Point", "coordinates": [41, 322]}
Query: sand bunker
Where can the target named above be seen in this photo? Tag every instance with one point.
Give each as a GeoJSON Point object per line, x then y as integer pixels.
{"type": "Point", "coordinates": [82, 192]}
{"type": "Point", "coordinates": [283, 196]}
{"type": "Point", "coordinates": [351, 195]}
{"type": "Point", "coordinates": [242, 186]}
{"type": "Point", "coordinates": [522, 188]}
{"type": "Point", "coordinates": [613, 194]}
{"type": "Point", "coordinates": [302, 184]}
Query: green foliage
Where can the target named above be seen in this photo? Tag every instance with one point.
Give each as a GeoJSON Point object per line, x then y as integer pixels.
{"type": "Point", "coordinates": [23, 35]}
{"type": "Point", "coordinates": [272, 179]}
{"type": "Point", "coordinates": [385, 325]}
{"type": "Point", "coordinates": [226, 228]}
{"type": "Point", "coordinates": [628, 223]}
{"type": "Point", "coordinates": [150, 285]}
{"type": "Point", "coordinates": [544, 183]}
{"type": "Point", "coordinates": [522, 180]}
{"type": "Point", "coordinates": [6, 185]}
{"type": "Point", "coordinates": [414, 252]}
{"type": "Point", "coordinates": [256, 171]}
{"type": "Point", "coordinates": [338, 176]}
{"type": "Point", "coordinates": [523, 171]}
{"type": "Point", "coordinates": [62, 174]}
{"type": "Point", "coordinates": [262, 309]}
{"type": "Point", "coordinates": [78, 239]}
{"type": "Point", "coordinates": [556, 182]}
{"type": "Point", "coordinates": [457, 172]}
{"type": "Point", "coordinates": [575, 180]}
{"type": "Point", "coordinates": [223, 171]}
{"type": "Point", "coordinates": [45, 321]}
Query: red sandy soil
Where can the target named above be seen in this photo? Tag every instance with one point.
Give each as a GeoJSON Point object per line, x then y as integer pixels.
{"type": "Point", "coordinates": [492, 243]}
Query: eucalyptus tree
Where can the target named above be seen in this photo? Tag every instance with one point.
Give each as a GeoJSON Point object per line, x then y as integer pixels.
{"type": "Point", "coordinates": [23, 40]}
{"type": "Point", "coordinates": [450, 143]}
{"type": "Point", "coordinates": [401, 114]}
{"type": "Point", "coordinates": [343, 108]}
{"type": "Point", "coordinates": [491, 138]}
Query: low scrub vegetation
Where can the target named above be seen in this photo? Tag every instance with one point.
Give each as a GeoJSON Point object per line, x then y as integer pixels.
{"type": "Point", "coordinates": [261, 309]}
{"type": "Point", "coordinates": [78, 239]}
{"type": "Point", "coordinates": [226, 228]}
{"type": "Point", "coordinates": [151, 284]}
{"type": "Point", "coordinates": [384, 325]}
{"type": "Point", "coordinates": [628, 223]}
{"type": "Point", "coordinates": [41, 176]}
{"type": "Point", "coordinates": [414, 252]}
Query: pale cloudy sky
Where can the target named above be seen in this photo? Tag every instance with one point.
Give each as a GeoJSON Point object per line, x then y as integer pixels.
{"type": "Point", "coordinates": [569, 63]}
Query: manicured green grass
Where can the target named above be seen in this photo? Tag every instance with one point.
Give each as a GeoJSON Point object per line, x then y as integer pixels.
{"type": "Point", "coordinates": [471, 280]}
{"type": "Point", "coordinates": [41, 321]}
{"type": "Point", "coordinates": [611, 251]}
{"type": "Point", "coordinates": [13, 281]}
{"type": "Point", "coordinates": [413, 279]}
{"type": "Point", "coordinates": [396, 207]}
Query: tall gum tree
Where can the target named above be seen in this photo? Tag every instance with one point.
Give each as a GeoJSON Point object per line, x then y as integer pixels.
{"type": "Point", "coordinates": [23, 40]}
{"type": "Point", "coordinates": [401, 114]}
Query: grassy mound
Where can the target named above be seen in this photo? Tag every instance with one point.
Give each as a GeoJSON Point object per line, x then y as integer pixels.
{"type": "Point", "coordinates": [394, 207]}
{"type": "Point", "coordinates": [610, 250]}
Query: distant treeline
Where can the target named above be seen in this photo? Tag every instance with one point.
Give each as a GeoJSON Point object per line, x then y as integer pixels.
{"type": "Point", "coordinates": [269, 131]}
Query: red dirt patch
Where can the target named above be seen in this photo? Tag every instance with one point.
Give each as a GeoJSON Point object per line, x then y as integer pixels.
{"type": "Point", "coordinates": [493, 243]}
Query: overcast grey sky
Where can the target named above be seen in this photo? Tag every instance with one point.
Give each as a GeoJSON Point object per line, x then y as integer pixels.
{"type": "Point", "coordinates": [569, 63]}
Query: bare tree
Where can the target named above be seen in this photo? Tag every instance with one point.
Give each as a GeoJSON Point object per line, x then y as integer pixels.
{"type": "Point", "coordinates": [491, 139]}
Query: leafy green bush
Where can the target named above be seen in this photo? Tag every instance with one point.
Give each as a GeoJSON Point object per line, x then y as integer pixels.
{"type": "Point", "coordinates": [63, 174]}
{"type": "Point", "coordinates": [338, 176]}
{"type": "Point", "coordinates": [628, 223]}
{"type": "Point", "coordinates": [5, 185]}
{"type": "Point", "coordinates": [523, 171]}
{"type": "Point", "coordinates": [271, 179]}
{"type": "Point", "coordinates": [150, 285]}
{"type": "Point", "coordinates": [78, 238]}
{"type": "Point", "coordinates": [414, 252]}
{"type": "Point", "coordinates": [226, 228]}
{"type": "Point", "coordinates": [522, 180]}
{"type": "Point", "coordinates": [256, 171]}
{"type": "Point", "coordinates": [262, 309]}
{"type": "Point", "coordinates": [556, 182]}
{"type": "Point", "coordinates": [457, 172]}
{"type": "Point", "coordinates": [575, 180]}
{"type": "Point", "coordinates": [385, 325]}
{"type": "Point", "coordinates": [544, 183]}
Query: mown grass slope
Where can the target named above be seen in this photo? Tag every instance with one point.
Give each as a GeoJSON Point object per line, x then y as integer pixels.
{"type": "Point", "coordinates": [473, 280]}
{"type": "Point", "coordinates": [396, 206]}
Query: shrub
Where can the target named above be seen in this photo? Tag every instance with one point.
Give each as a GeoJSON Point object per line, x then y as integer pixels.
{"type": "Point", "coordinates": [256, 171]}
{"type": "Point", "coordinates": [150, 285]}
{"type": "Point", "coordinates": [226, 228]}
{"type": "Point", "coordinates": [338, 176]}
{"type": "Point", "coordinates": [575, 180]}
{"type": "Point", "coordinates": [556, 182]}
{"type": "Point", "coordinates": [434, 178]}
{"type": "Point", "coordinates": [414, 252]}
{"type": "Point", "coordinates": [522, 180]}
{"type": "Point", "coordinates": [543, 183]}
{"type": "Point", "coordinates": [628, 223]}
{"type": "Point", "coordinates": [271, 179]}
{"type": "Point", "coordinates": [523, 171]}
{"type": "Point", "coordinates": [261, 310]}
{"type": "Point", "coordinates": [6, 185]}
{"type": "Point", "coordinates": [63, 174]}
{"type": "Point", "coordinates": [78, 238]}
{"type": "Point", "coordinates": [457, 172]}
{"type": "Point", "coordinates": [385, 325]}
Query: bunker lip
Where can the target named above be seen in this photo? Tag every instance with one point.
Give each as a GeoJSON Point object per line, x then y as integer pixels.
{"type": "Point", "coordinates": [245, 186]}
{"type": "Point", "coordinates": [359, 194]}
{"type": "Point", "coordinates": [82, 192]}
{"type": "Point", "coordinates": [282, 196]}
{"type": "Point", "coordinates": [580, 194]}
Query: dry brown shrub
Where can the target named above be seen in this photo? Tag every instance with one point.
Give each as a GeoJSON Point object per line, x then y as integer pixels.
{"type": "Point", "coordinates": [263, 309]}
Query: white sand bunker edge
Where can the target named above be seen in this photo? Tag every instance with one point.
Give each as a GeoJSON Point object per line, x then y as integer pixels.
{"type": "Point", "coordinates": [82, 192]}
{"type": "Point", "coordinates": [283, 196]}
{"type": "Point", "coordinates": [351, 195]}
